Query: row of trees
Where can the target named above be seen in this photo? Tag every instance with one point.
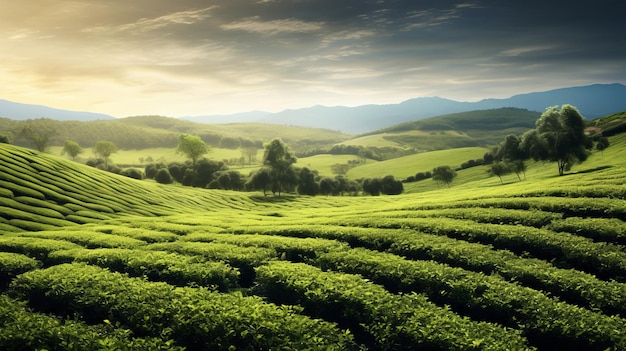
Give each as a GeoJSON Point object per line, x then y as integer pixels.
{"type": "Point", "coordinates": [277, 175]}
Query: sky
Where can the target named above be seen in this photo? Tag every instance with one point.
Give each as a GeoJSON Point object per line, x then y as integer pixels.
{"type": "Point", "coordinates": [204, 57]}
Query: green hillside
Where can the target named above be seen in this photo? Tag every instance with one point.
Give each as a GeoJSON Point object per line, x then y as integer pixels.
{"type": "Point", "coordinates": [144, 132]}
{"type": "Point", "coordinates": [475, 128]}
{"type": "Point", "coordinates": [107, 262]}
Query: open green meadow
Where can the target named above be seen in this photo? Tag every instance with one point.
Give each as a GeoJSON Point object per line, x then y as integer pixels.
{"type": "Point", "coordinates": [90, 260]}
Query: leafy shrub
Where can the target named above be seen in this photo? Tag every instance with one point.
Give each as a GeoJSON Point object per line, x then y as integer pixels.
{"type": "Point", "coordinates": [163, 176]}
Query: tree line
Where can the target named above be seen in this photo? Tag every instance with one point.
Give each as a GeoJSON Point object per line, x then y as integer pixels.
{"type": "Point", "coordinates": [559, 136]}
{"type": "Point", "coordinates": [278, 174]}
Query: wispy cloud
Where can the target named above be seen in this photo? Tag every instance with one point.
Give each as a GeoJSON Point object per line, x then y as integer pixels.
{"type": "Point", "coordinates": [150, 24]}
{"type": "Point", "coordinates": [272, 27]}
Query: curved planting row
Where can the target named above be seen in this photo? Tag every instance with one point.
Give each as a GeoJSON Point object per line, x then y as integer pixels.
{"type": "Point", "coordinates": [380, 319]}
{"type": "Point", "coordinates": [547, 322]}
{"type": "Point", "coordinates": [171, 268]}
{"type": "Point", "coordinates": [291, 249]}
{"type": "Point", "coordinates": [604, 259]}
{"type": "Point", "coordinates": [24, 330]}
{"type": "Point", "coordinates": [195, 318]}
{"type": "Point", "coordinates": [569, 285]}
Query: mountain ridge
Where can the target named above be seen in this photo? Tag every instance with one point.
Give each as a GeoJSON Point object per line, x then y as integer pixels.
{"type": "Point", "coordinates": [593, 101]}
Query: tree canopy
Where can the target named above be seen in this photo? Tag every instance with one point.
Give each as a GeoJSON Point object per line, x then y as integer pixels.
{"type": "Point", "coordinates": [559, 136]}
{"type": "Point", "coordinates": [72, 148]}
{"type": "Point", "coordinates": [193, 147]}
{"type": "Point", "coordinates": [104, 149]}
{"type": "Point", "coordinates": [444, 174]}
{"type": "Point", "coordinates": [279, 161]}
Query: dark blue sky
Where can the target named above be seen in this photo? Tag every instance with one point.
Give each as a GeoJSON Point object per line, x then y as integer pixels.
{"type": "Point", "coordinates": [201, 57]}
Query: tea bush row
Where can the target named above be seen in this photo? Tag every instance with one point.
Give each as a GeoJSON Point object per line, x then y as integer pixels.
{"type": "Point", "coordinates": [604, 259]}
{"type": "Point", "coordinates": [383, 321]}
{"type": "Point", "coordinates": [549, 323]}
{"type": "Point", "coordinates": [24, 330]}
{"type": "Point", "coordinates": [171, 268]}
{"type": "Point", "coordinates": [195, 318]}
{"type": "Point", "coordinates": [570, 285]}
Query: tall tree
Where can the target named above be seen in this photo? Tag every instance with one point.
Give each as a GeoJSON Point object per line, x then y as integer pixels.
{"type": "Point", "coordinates": [513, 154]}
{"type": "Point", "coordinates": [38, 134]}
{"type": "Point", "coordinates": [562, 131]}
{"type": "Point", "coordinates": [193, 147]}
{"type": "Point", "coordinates": [72, 148]}
{"type": "Point", "coordinates": [104, 149]}
{"type": "Point", "coordinates": [280, 162]}
{"type": "Point", "coordinates": [444, 174]}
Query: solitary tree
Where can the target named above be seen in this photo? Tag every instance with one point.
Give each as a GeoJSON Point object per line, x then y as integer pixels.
{"type": "Point", "coordinates": [280, 163]}
{"type": "Point", "coordinates": [193, 147]}
{"type": "Point", "coordinates": [444, 174]}
{"type": "Point", "coordinates": [104, 149]}
{"type": "Point", "coordinates": [562, 132]}
{"type": "Point", "coordinates": [72, 148]}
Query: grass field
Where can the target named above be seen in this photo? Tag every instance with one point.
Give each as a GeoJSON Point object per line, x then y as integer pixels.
{"type": "Point", "coordinates": [92, 260]}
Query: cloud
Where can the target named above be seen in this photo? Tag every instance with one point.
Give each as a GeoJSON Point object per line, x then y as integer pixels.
{"type": "Point", "coordinates": [150, 24]}
{"type": "Point", "coordinates": [272, 27]}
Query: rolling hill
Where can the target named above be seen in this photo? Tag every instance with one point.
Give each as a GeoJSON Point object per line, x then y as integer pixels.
{"type": "Point", "coordinates": [18, 111]}
{"type": "Point", "coordinates": [103, 260]}
{"type": "Point", "coordinates": [465, 129]}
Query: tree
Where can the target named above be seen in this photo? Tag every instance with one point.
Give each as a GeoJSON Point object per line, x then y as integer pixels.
{"type": "Point", "coordinates": [602, 144]}
{"type": "Point", "coordinates": [4, 139]}
{"type": "Point", "coordinates": [307, 185]}
{"type": "Point", "coordinates": [562, 132]}
{"type": "Point", "coordinates": [193, 147]}
{"type": "Point", "coordinates": [163, 176]}
{"type": "Point", "coordinates": [391, 186]}
{"type": "Point", "coordinates": [372, 186]}
{"type": "Point", "coordinates": [260, 180]}
{"type": "Point", "coordinates": [444, 174]}
{"type": "Point", "coordinates": [513, 154]}
{"type": "Point", "coordinates": [499, 169]}
{"type": "Point", "coordinates": [280, 163]}
{"type": "Point", "coordinates": [328, 186]}
{"type": "Point", "coordinates": [72, 148]}
{"type": "Point", "coordinates": [249, 153]}
{"type": "Point", "coordinates": [38, 134]}
{"type": "Point", "coordinates": [340, 169]}
{"type": "Point", "coordinates": [104, 149]}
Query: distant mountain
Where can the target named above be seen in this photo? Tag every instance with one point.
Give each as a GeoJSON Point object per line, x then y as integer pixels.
{"type": "Point", "coordinates": [18, 111]}
{"type": "Point", "coordinates": [593, 101]}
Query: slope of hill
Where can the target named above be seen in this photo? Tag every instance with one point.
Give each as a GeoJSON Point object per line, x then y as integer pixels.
{"type": "Point", "coordinates": [533, 265]}
{"type": "Point", "coordinates": [475, 128]}
{"type": "Point", "coordinates": [18, 111]}
{"type": "Point", "coordinates": [160, 267]}
{"type": "Point", "coordinates": [156, 131]}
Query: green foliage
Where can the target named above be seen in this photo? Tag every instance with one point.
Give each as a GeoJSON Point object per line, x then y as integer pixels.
{"type": "Point", "coordinates": [23, 330]}
{"type": "Point", "coordinates": [104, 149]}
{"type": "Point", "coordinates": [172, 268]}
{"type": "Point", "coordinates": [72, 148]}
{"type": "Point", "coordinates": [38, 134]}
{"type": "Point", "coordinates": [389, 321]}
{"type": "Point", "coordinates": [194, 317]}
{"type": "Point", "coordinates": [444, 174]}
{"type": "Point", "coordinates": [193, 147]}
{"type": "Point", "coordinates": [562, 134]}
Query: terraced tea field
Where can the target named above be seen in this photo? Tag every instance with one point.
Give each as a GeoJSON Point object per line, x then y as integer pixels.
{"type": "Point", "coordinates": [95, 261]}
